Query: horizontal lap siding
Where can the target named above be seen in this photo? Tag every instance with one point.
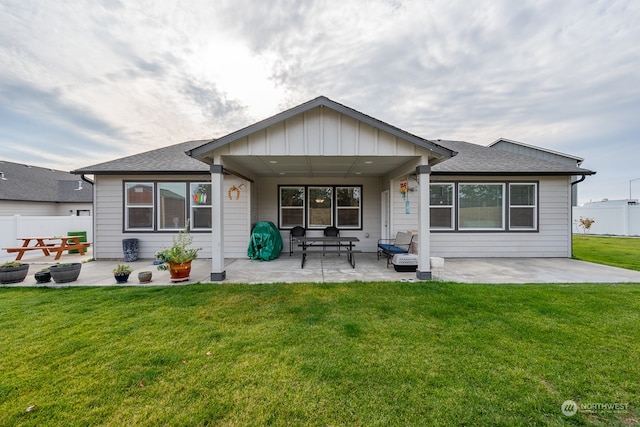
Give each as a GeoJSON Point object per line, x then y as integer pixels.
{"type": "Point", "coordinates": [109, 221]}
{"type": "Point", "coordinates": [552, 240]}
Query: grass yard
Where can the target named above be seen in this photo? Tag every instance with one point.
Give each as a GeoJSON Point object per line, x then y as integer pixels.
{"type": "Point", "coordinates": [621, 252]}
{"type": "Point", "coordinates": [356, 354]}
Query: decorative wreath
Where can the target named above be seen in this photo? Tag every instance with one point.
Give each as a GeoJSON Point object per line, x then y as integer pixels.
{"type": "Point", "coordinates": [232, 190]}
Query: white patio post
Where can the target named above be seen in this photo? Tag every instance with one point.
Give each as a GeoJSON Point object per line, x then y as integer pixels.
{"type": "Point", "coordinates": [218, 272]}
{"type": "Point", "coordinates": [424, 261]}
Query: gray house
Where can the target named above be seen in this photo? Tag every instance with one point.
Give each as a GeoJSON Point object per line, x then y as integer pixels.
{"type": "Point", "coordinates": [31, 190]}
{"type": "Point", "coordinates": [324, 164]}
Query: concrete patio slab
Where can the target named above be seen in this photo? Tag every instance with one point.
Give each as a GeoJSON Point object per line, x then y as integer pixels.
{"type": "Point", "coordinates": [332, 268]}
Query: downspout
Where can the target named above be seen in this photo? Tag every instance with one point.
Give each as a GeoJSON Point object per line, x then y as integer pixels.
{"type": "Point", "coordinates": [85, 179]}
{"type": "Point", "coordinates": [571, 208]}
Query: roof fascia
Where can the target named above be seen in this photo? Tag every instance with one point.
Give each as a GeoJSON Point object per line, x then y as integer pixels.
{"type": "Point", "coordinates": [85, 172]}
{"type": "Point", "coordinates": [451, 173]}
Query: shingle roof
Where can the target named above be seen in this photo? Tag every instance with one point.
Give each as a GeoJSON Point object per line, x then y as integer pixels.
{"type": "Point", "coordinates": [480, 160]}
{"type": "Point", "coordinates": [31, 183]}
{"type": "Point", "coordinates": [165, 160]}
{"type": "Point", "coordinates": [471, 159]}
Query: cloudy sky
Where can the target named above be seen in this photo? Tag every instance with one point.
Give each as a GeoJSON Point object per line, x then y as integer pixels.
{"type": "Point", "coordinates": [82, 82]}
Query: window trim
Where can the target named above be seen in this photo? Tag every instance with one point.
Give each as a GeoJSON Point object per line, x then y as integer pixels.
{"type": "Point", "coordinates": [535, 207]}
{"type": "Point", "coordinates": [506, 208]}
{"type": "Point", "coordinates": [452, 206]}
{"type": "Point", "coordinates": [127, 206]}
{"type": "Point", "coordinates": [155, 206]}
{"type": "Point", "coordinates": [334, 207]}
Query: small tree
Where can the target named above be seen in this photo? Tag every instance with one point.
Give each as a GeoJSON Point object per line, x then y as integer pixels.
{"type": "Point", "coordinates": [585, 224]}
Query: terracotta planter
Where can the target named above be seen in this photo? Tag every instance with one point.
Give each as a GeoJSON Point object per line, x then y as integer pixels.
{"type": "Point", "coordinates": [180, 272]}
{"type": "Point", "coordinates": [65, 273]}
{"type": "Point", "coordinates": [13, 274]}
{"type": "Point", "coordinates": [144, 276]}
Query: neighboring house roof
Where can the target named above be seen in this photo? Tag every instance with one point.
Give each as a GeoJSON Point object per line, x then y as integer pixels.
{"type": "Point", "coordinates": [440, 152]}
{"type": "Point", "coordinates": [473, 159]}
{"type": "Point", "coordinates": [165, 160]}
{"type": "Point", "coordinates": [501, 141]}
{"type": "Point", "coordinates": [20, 182]}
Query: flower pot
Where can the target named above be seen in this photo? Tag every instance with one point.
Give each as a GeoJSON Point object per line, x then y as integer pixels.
{"type": "Point", "coordinates": [42, 276]}
{"type": "Point", "coordinates": [144, 276]}
{"type": "Point", "coordinates": [121, 278]}
{"type": "Point", "coordinates": [180, 272]}
{"type": "Point", "coordinates": [65, 273]}
{"type": "Point", "coordinates": [13, 274]}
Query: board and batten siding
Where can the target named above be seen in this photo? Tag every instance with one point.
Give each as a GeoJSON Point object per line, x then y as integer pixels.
{"type": "Point", "coordinates": [268, 202]}
{"type": "Point", "coordinates": [109, 217]}
{"type": "Point", "coordinates": [321, 132]}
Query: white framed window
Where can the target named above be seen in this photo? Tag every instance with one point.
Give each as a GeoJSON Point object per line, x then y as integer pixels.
{"type": "Point", "coordinates": [200, 205]}
{"type": "Point", "coordinates": [348, 207]}
{"type": "Point", "coordinates": [172, 205]}
{"type": "Point", "coordinates": [523, 206]}
{"type": "Point", "coordinates": [320, 211]}
{"type": "Point", "coordinates": [292, 206]}
{"type": "Point", "coordinates": [138, 206]}
{"type": "Point", "coordinates": [481, 206]}
{"type": "Point", "coordinates": [320, 206]}
{"type": "Point", "coordinates": [441, 206]}
{"type": "Point", "coordinates": [166, 206]}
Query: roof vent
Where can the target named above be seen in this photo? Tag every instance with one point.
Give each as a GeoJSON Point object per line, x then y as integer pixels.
{"type": "Point", "coordinates": [79, 186]}
{"type": "Point", "coordinates": [2, 176]}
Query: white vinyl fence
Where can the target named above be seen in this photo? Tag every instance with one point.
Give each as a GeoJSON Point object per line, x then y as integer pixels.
{"type": "Point", "coordinates": [17, 226]}
{"type": "Point", "coordinates": [623, 220]}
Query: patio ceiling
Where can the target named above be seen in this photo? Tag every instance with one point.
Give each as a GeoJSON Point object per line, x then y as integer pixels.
{"type": "Point", "coordinates": [317, 166]}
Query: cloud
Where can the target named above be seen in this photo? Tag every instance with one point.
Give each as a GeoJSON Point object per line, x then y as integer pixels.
{"type": "Point", "coordinates": [135, 75]}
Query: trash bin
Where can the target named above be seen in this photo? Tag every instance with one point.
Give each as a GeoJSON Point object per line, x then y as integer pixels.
{"type": "Point", "coordinates": [83, 239]}
{"type": "Point", "coordinates": [265, 243]}
{"type": "Point", "coordinates": [130, 249]}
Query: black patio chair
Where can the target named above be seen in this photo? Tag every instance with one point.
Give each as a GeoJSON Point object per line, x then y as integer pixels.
{"type": "Point", "coordinates": [296, 232]}
{"type": "Point", "coordinates": [331, 232]}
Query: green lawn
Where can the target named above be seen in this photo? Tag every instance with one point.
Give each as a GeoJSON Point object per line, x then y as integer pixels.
{"type": "Point", "coordinates": [616, 251]}
{"type": "Point", "coordinates": [344, 354]}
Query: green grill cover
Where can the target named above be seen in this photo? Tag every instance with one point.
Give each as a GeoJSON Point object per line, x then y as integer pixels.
{"type": "Point", "coordinates": [265, 243]}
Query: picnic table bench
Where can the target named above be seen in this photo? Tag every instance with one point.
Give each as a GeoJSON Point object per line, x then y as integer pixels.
{"type": "Point", "coordinates": [49, 245]}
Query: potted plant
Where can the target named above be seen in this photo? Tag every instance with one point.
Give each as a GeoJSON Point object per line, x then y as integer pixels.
{"type": "Point", "coordinates": [177, 259]}
{"type": "Point", "coordinates": [13, 272]}
{"type": "Point", "coordinates": [43, 276]}
{"type": "Point", "coordinates": [65, 272]}
{"type": "Point", "coordinates": [121, 273]}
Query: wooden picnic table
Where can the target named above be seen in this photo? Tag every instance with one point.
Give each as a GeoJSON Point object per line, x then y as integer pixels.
{"type": "Point", "coordinates": [48, 245]}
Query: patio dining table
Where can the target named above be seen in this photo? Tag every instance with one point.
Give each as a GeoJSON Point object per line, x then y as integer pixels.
{"type": "Point", "coordinates": [346, 243]}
